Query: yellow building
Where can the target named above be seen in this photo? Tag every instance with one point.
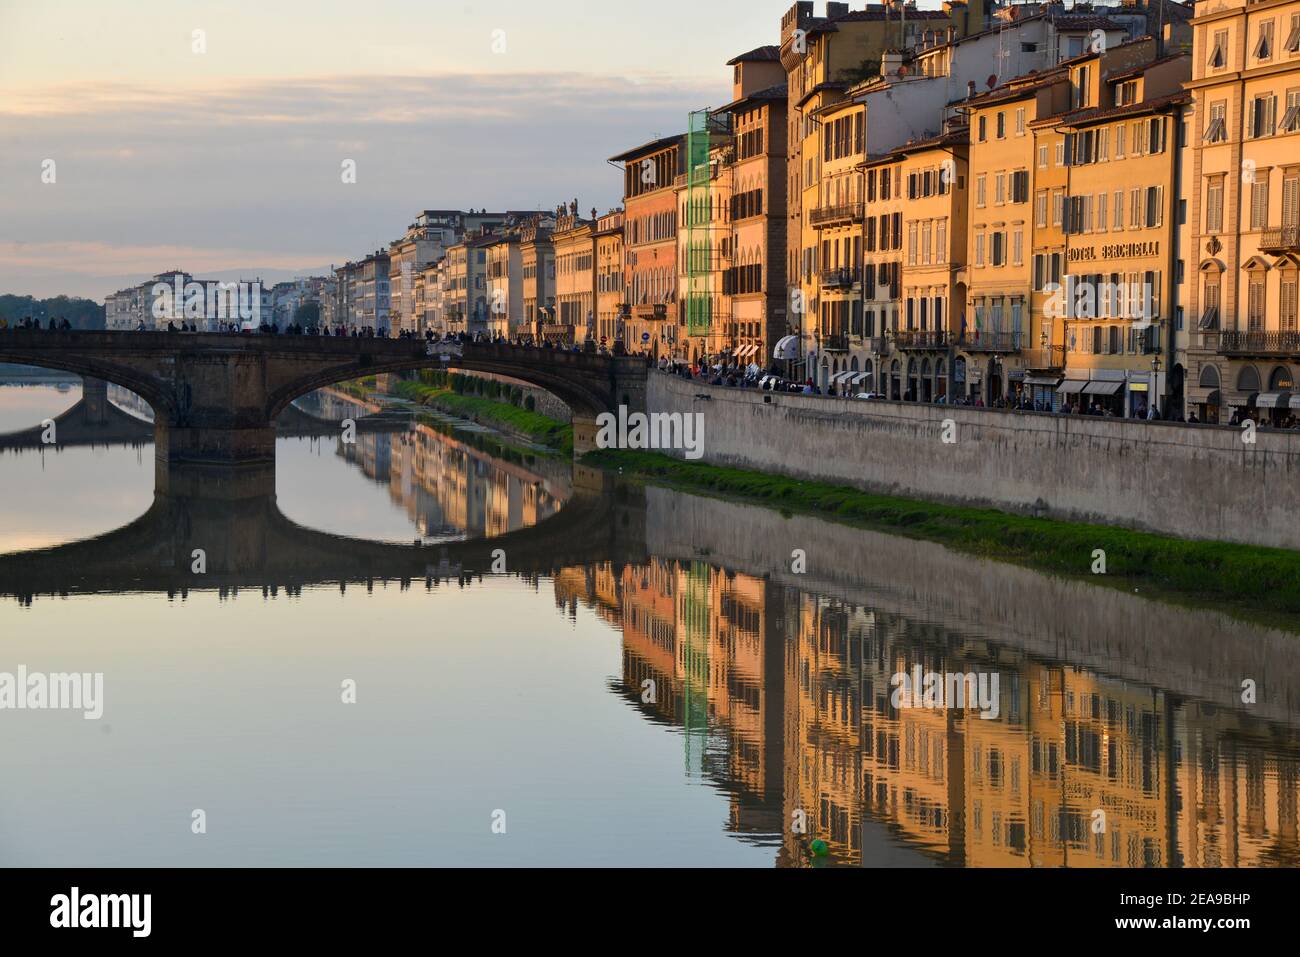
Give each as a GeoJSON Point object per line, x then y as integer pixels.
{"type": "Point", "coordinates": [995, 325]}
{"type": "Point", "coordinates": [1116, 304]}
{"type": "Point", "coordinates": [755, 281]}
{"type": "Point", "coordinates": [934, 176]}
{"type": "Point", "coordinates": [1242, 189]}
{"type": "Point", "coordinates": [610, 277]}
{"type": "Point", "coordinates": [823, 58]}
{"type": "Point", "coordinates": [537, 272]}
{"type": "Point", "coordinates": [575, 278]}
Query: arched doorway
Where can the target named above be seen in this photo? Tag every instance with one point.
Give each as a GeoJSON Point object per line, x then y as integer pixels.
{"type": "Point", "coordinates": [927, 383]}
{"type": "Point", "coordinates": [941, 380]}
{"type": "Point", "coordinates": [994, 391]}
{"type": "Point", "coordinates": [895, 382]}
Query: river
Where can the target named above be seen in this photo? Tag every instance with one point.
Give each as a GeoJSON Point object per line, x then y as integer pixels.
{"type": "Point", "coordinates": [709, 683]}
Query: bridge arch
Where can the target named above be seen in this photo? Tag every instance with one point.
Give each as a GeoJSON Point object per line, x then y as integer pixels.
{"type": "Point", "coordinates": [92, 367]}
{"type": "Point", "coordinates": [585, 395]}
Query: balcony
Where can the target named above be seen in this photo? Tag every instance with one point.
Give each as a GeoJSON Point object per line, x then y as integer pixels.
{"type": "Point", "coordinates": [989, 342]}
{"type": "Point", "coordinates": [1237, 342]}
{"type": "Point", "coordinates": [840, 278]}
{"type": "Point", "coordinates": [833, 215]}
{"type": "Point", "coordinates": [1053, 357]}
{"type": "Point", "coordinates": [835, 343]}
{"type": "Point", "coordinates": [1280, 239]}
{"type": "Point", "coordinates": [920, 339]}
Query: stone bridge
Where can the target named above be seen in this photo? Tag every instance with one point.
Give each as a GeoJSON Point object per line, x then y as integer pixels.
{"type": "Point", "coordinates": [95, 421]}
{"type": "Point", "coordinates": [215, 396]}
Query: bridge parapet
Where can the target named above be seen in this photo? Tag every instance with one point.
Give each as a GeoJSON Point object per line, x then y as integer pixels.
{"type": "Point", "coordinates": [215, 394]}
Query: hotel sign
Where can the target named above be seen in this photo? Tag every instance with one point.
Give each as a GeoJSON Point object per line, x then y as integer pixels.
{"type": "Point", "coordinates": [1115, 251]}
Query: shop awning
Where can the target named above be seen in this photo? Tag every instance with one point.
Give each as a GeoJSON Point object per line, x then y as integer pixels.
{"type": "Point", "coordinates": [1102, 387]}
{"type": "Point", "coordinates": [841, 376]}
{"type": "Point", "coordinates": [1071, 386]}
{"type": "Point", "coordinates": [860, 376]}
{"type": "Point", "coordinates": [1047, 380]}
{"type": "Point", "coordinates": [787, 348]}
{"type": "Point", "coordinates": [1204, 397]}
{"type": "Point", "coordinates": [1273, 400]}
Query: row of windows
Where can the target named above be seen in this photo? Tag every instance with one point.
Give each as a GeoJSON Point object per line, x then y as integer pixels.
{"type": "Point", "coordinates": [651, 229]}
{"type": "Point", "coordinates": [1264, 47]}
{"type": "Point", "coordinates": [1259, 200]}
{"type": "Point", "coordinates": [927, 242]}
{"type": "Point", "coordinates": [1008, 187]}
{"type": "Point", "coordinates": [1000, 248]}
{"type": "Point", "coordinates": [843, 137]}
{"type": "Point", "coordinates": [999, 125]}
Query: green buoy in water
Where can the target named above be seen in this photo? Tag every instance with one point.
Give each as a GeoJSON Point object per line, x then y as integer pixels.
{"type": "Point", "coordinates": [819, 848]}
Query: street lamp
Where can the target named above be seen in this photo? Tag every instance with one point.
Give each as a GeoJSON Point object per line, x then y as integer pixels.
{"type": "Point", "coordinates": [1155, 378]}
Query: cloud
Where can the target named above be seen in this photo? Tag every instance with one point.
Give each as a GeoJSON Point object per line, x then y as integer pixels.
{"type": "Point", "coordinates": [249, 173]}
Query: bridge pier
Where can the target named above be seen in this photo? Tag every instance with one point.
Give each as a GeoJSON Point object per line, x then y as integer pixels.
{"type": "Point", "coordinates": [94, 400]}
{"type": "Point", "coordinates": [190, 445]}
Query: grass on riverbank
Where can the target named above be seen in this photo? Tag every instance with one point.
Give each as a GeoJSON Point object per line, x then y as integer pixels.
{"type": "Point", "coordinates": [502, 415]}
{"type": "Point", "coordinates": [1250, 578]}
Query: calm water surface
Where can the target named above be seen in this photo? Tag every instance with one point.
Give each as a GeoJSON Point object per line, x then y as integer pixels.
{"type": "Point", "coordinates": [677, 696]}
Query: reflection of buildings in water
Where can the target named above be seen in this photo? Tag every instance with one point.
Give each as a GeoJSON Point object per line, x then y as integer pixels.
{"type": "Point", "coordinates": [786, 703]}
{"type": "Point", "coordinates": [448, 489]}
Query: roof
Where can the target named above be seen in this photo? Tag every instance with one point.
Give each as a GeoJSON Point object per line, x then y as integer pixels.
{"type": "Point", "coordinates": [651, 147]}
{"type": "Point", "coordinates": [1100, 114]}
{"type": "Point", "coordinates": [763, 54]}
{"type": "Point", "coordinates": [778, 92]}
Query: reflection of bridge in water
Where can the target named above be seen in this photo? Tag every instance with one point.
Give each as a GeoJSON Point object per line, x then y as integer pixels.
{"type": "Point", "coordinates": [95, 421]}
{"type": "Point", "coordinates": [231, 516]}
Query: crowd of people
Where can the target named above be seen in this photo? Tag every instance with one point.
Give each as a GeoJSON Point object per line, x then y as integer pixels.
{"type": "Point", "coordinates": [733, 375]}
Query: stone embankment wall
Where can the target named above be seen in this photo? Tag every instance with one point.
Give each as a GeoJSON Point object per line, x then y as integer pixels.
{"type": "Point", "coordinates": [1188, 481]}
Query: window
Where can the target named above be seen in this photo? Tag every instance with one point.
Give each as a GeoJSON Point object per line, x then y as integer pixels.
{"type": "Point", "coordinates": [979, 249]}
{"type": "Point", "coordinates": [1000, 188]}
{"type": "Point", "coordinates": [1040, 208]}
{"type": "Point", "coordinates": [1155, 206]}
{"type": "Point", "coordinates": [1214, 205]}
{"type": "Point", "coordinates": [1126, 94]}
{"type": "Point", "coordinates": [1291, 198]}
{"type": "Point", "coordinates": [1293, 38]}
{"type": "Point", "coordinates": [1219, 50]}
{"type": "Point", "coordinates": [1255, 301]}
{"type": "Point", "coordinates": [1042, 157]}
{"type": "Point", "coordinates": [998, 249]}
{"type": "Point", "coordinates": [1102, 204]}
{"type": "Point", "coordinates": [1287, 299]}
{"type": "Point", "coordinates": [1002, 125]}
{"type": "Point", "coordinates": [1216, 122]}
{"type": "Point", "coordinates": [1119, 141]}
{"type": "Point", "coordinates": [1291, 117]}
{"type": "Point", "coordinates": [1018, 248]}
{"type": "Point", "coordinates": [1060, 152]}
{"type": "Point", "coordinates": [981, 190]}
{"type": "Point", "coordinates": [1259, 200]}
{"type": "Point", "coordinates": [1020, 121]}
{"type": "Point", "coordinates": [1058, 207]}
{"type": "Point", "coordinates": [1262, 120]}
{"type": "Point", "coordinates": [983, 128]}
{"type": "Point", "coordinates": [1264, 41]}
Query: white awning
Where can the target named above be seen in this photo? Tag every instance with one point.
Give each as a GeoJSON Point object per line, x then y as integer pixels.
{"type": "Point", "coordinates": [1071, 386]}
{"type": "Point", "coordinates": [787, 348]}
{"type": "Point", "coordinates": [1273, 400]}
{"type": "Point", "coordinates": [860, 376]}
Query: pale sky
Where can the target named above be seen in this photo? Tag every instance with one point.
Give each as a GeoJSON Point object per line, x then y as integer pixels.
{"type": "Point", "coordinates": [227, 161]}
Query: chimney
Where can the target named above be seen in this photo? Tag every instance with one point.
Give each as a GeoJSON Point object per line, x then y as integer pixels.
{"type": "Point", "coordinates": [836, 10]}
